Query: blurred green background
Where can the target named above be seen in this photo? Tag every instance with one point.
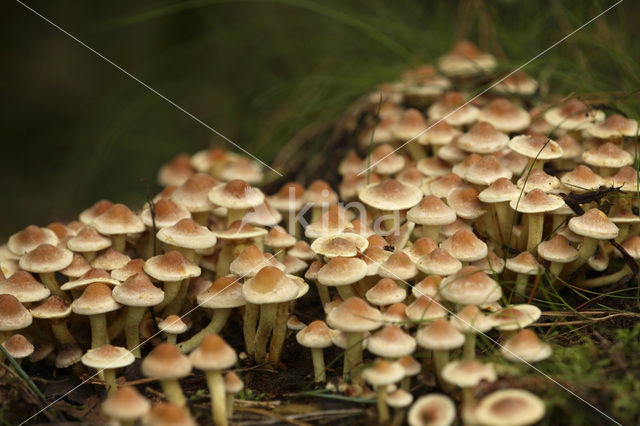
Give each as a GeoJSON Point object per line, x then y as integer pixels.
{"type": "Point", "coordinates": [76, 130]}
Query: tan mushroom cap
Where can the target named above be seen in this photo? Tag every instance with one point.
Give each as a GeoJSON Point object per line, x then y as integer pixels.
{"type": "Point", "coordinates": [193, 194]}
{"type": "Point", "coordinates": [468, 373]}
{"type": "Point", "coordinates": [67, 356]}
{"type": "Point", "coordinates": [173, 324]}
{"type": "Point", "coordinates": [429, 287]}
{"type": "Point", "coordinates": [440, 335]}
{"type": "Point", "coordinates": [78, 267]}
{"type": "Point", "coordinates": [459, 225]}
{"type": "Point", "coordinates": [461, 168]}
{"type": "Point", "coordinates": [88, 240]}
{"type": "Point", "coordinates": [126, 405]}
{"type": "Point", "coordinates": [483, 138]}
{"type": "Point", "coordinates": [96, 299]}
{"type": "Point", "coordinates": [263, 215]}
{"type": "Point", "coordinates": [109, 260]}
{"type": "Point", "coordinates": [453, 109]}
{"type": "Point", "coordinates": [420, 247]}
{"type": "Point", "coordinates": [410, 124]}
{"type": "Point", "coordinates": [557, 249]}
{"type": "Point", "coordinates": [166, 362]}
{"type": "Point", "coordinates": [232, 383]}
{"type": "Point", "coordinates": [278, 237]}
{"type": "Point", "coordinates": [440, 133]}
{"type": "Point", "coordinates": [430, 166]}
{"type": "Point", "coordinates": [524, 263]}
{"type": "Point", "coordinates": [374, 257]}
{"type": "Point", "coordinates": [594, 224]}
{"type": "Point", "coordinates": [294, 323]}
{"type": "Point", "coordinates": [385, 161]}
{"type": "Point", "coordinates": [251, 261]}
{"type": "Point", "coordinates": [431, 210]}
{"type": "Point", "coordinates": [236, 194]}
{"type": "Point", "coordinates": [354, 315]}
{"type": "Point", "coordinates": [242, 168]}
{"type": "Point", "coordinates": [626, 179]}
{"type": "Point", "coordinates": [292, 265]}
{"type": "Point", "coordinates": [225, 292]}
{"type": "Point", "coordinates": [395, 314]}
{"type": "Point", "coordinates": [119, 219]}
{"type": "Point", "coordinates": [465, 246]}
{"type": "Point", "coordinates": [509, 407]}
{"type": "Point", "coordinates": [320, 193]}
{"type": "Point", "coordinates": [607, 155]}
{"type": "Point", "coordinates": [451, 153]}
{"type": "Point", "coordinates": [345, 245]}
{"type": "Point", "coordinates": [134, 266]}
{"type": "Point", "coordinates": [573, 114]}
{"type": "Point", "coordinates": [536, 201]}
{"type": "Point", "coordinates": [525, 347]}
{"type": "Point", "coordinates": [391, 342]}
{"type": "Point", "coordinates": [425, 308]}
{"type": "Point", "coordinates": [390, 195]}
{"type": "Point", "coordinates": [615, 126]}
{"type": "Point", "coordinates": [315, 335]}
{"type": "Point", "coordinates": [270, 285]}
{"type": "Point", "coordinates": [500, 190]}
{"type": "Point", "coordinates": [486, 171]}
{"type": "Point", "coordinates": [290, 197]}
{"type": "Point", "coordinates": [398, 266]}
{"type": "Point", "coordinates": [439, 262]}
{"type": "Point", "coordinates": [92, 276]}
{"type": "Point", "coordinates": [624, 216]}
{"type": "Point", "coordinates": [239, 231]}
{"type": "Point", "coordinates": [464, 201]}
{"type": "Point", "coordinates": [515, 317]}
{"type": "Point", "coordinates": [342, 271]}
{"type": "Point", "coordinates": [213, 354]}
{"type": "Point", "coordinates": [632, 246]}
{"type": "Point", "coordinates": [539, 179]}
{"type": "Point", "coordinates": [383, 373]}
{"type": "Point", "coordinates": [464, 59]}
{"type": "Point", "coordinates": [432, 410]}
{"type": "Point", "coordinates": [470, 286]}
{"type": "Point", "coordinates": [29, 238]}
{"type": "Point", "coordinates": [505, 116]}
{"type": "Point", "coordinates": [385, 292]}
{"type": "Point", "coordinates": [13, 316]}
{"type": "Point", "coordinates": [46, 258]}
{"type": "Point", "coordinates": [399, 398]}
{"type": "Point", "coordinates": [301, 250]}
{"type": "Point", "coordinates": [490, 264]}
{"type": "Point", "coordinates": [177, 171]}
{"type": "Point", "coordinates": [138, 290]}
{"type": "Point", "coordinates": [99, 207]}
{"type": "Point", "coordinates": [571, 148]}
{"type": "Point", "coordinates": [18, 346]}
{"type": "Point", "coordinates": [24, 287]}
{"type": "Point", "coordinates": [107, 357]}
{"type": "Point", "coordinates": [582, 179]}
{"type": "Point", "coordinates": [536, 146]}
{"type": "Point", "coordinates": [171, 266]}
{"type": "Point", "coordinates": [471, 320]}
{"type": "Point", "coordinates": [442, 185]}
{"type": "Point", "coordinates": [351, 163]}
{"type": "Point", "coordinates": [166, 213]}
{"type": "Point", "coordinates": [167, 414]}
{"type": "Point", "coordinates": [517, 83]}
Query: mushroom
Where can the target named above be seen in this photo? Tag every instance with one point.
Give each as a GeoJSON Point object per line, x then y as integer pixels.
{"type": "Point", "coordinates": [535, 204]}
{"type": "Point", "coordinates": [56, 310]}
{"type": "Point", "coordinates": [432, 410]}
{"type": "Point", "coordinates": [380, 375]}
{"type": "Point", "coordinates": [106, 359]}
{"type": "Point", "coordinates": [594, 226]}
{"type": "Point", "coordinates": [510, 407]}
{"type": "Point", "coordinates": [193, 195]}
{"type": "Point", "coordinates": [46, 260]}
{"type": "Point", "coordinates": [316, 336]}
{"type": "Point", "coordinates": [117, 222]}
{"type": "Point", "coordinates": [168, 414]}
{"type": "Point", "coordinates": [172, 326]}
{"type": "Point", "coordinates": [171, 268]}
{"type": "Point", "coordinates": [236, 196]}
{"type": "Point", "coordinates": [167, 364]}
{"type": "Point", "coordinates": [232, 385]}
{"type": "Point", "coordinates": [470, 321]}
{"type": "Point", "coordinates": [126, 405]}
{"type": "Point", "coordinates": [96, 301]}
{"type": "Point", "coordinates": [18, 347]}
{"type": "Point", "coordinates": [467, 375]}
{"type": "Point", "coordinates": [88, 242]}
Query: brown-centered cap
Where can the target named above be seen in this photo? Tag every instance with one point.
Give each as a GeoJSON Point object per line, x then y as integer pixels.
{"type": "Point", "coordinates": [430, 166]}
{"type": "Point", "coordinates": [515, 317]}
{"type": "Point", "coordinates": [173, 324]}
{"type": "Point", "coordinates": [99, 207]}
{"type": "Point", "coordinates": [345, 245]}
{"type": "Point", "coordinates": [24, 287]}
{"type": "Point", "coordinates": [250, 262]}
{"type": "Point", "coordinates": [539, 179]}
{"type": "Point", "coordinates": [465, 246]}
{"type": "Point", "coordinates": [292, 265]}
{"type": "Point", "coordinates": [626, 179]}
{"type": "Point", "coordinates": [536, 201]}
{"type": "Point", "coordinates": [461, 167]}
{"type": "Point", "coordinates": [468, 373]}
{"type": "Point", "coordinates": [440, 335]}
{"type": "Point", "coordinates": [614, 127]}
{"type": "Point", "coordinates": [315, 335]}
{"type": "Point", "coordinates": [486, 171]}
{"type": "Point", "coordinates": [109, 260]}
{"type": "Point", "coordinates": [270, 285]}
{"type": "Point", "coordinates": [92, 276]}
{"type": "Point", "coordinates": [13, 316]}
{"type": "Point", "coordinates": [509, 407]}
{"type": "Point", "coordinates": [239, 231]}
{"type": "Point", "coordinates": [525, 347]}
{"type": "Point", "coordinates": [518, 83]}
{"type": "Point", "coordinates": [439, 262]}
{"type": "Point", "coordinates": [451, 107]}
{"type": "Point", "coordinates": [429, 286]}
{"type": "Point", "coordinates": [451, 153]}
{"type": "Point", "coordinates": [505, 116]}
{"type": "Point", "coordinates": [138, 290]}
{"type": "Point", "coordinates": [334, 221]}
{"type": "Point", "coordinates": [582, 179]}
{"type": "Point", "coordinates": [193, 195]}
{"type": "Point", "coordinates": [594, 224]}
{"type": "Point", "coordinates": [77, 267]}
{"type": "Point", "coordinates": [390, 195]}
{"type": "Point", "coordinates": [166, 362]}
{"type": "Point", "coordinates": [432, 410]}
{"type": "Point", "coordinates": [134, 266]}
{"type": "Point", "coordinates": [236, 194]}
{"type": "Point", "coordinates": [167, 414]}
{"type": "Point", "coordinates": [536, 146]}
{"type": "Point", "coordinates": [409, 125]}
{"type": "Point", "coordinates": [425, 308]}
{"type": "Point", "coordinates": [213, 354]}
{"type": "Point", "coordinates": [176, 171]}
{"type": "Point", "coordinates": [96, 299]}
{"type": "Point", "coordinates": [399, 398]}
{"type": "Point", "coordinates": [557, 249]}
{"type": "Point", "coordinates": [471, 320]}
{"type": "Point", "coordinates": [490, 264]}
{"type": "Point", "coordinates": [242, 168]}
{"type": "Point", "coordinates": [431, 210]}
{"type": "Point", "coordinates": [50, 308]}
{"type": "Point", "coordinates": [232, 383]}
{"type": "Point", "coordinates": [126, 405]}
{"type": "Point", "coordinates": [440, 133]}
{"type": "Point", "coordinates": [573, 115]}
{"type": "Point", "coordinates": [278, 238]}
{"type": "Point", "coordinates": [385, 292]}
{"type": "Point", "coordinates": [524, 263]}
{"type": "Point", "coordinates": [571, 148]}
{"type": "Point", "coordinates": [470, 286]}
{"type": "Point", "coordinates": [166, 213]}
{"type": "Point", "coordinates": [320, 193]}
{"type": "Point", "coordinates": [483, 138]}
{"type": "Point", "coordinates": [107, 357]}
{"type": "Point", "coordinates": [68, 355]}
{"type": "Point", "coordinates": [420, 247]}
{"type": "Point", "coordinates": [312, 272]}
{"type": "Point", "coordinates": [632, 246]}
{"type": "Point", "coordinates": [385, 161]}
{"type": "Point", "coordinates": [18, 346]}
{"type": "Point", "coordinates": [301, 250]}
{"type": "Point", "coordinates": [46, 258]}
{"type": "Point", "coordinates": [342, 271]}
{"type": "Point", "coordinates": [466, 59]}
{"type": "Point", "coordinates": [512, 161]}
{"type": "Point", "coordinates": [607, 155]}
{"type": "Point", "coordinates": [351, 163]}
{"type": "Point", "coordinates": [398, 266]}
{"type": "Point", "coordinates": [354, 315]}
{"type": "Point", "coordinates": [391, 342]}
{"type": "Point", "coordinates": [171, 266]}
{"type": "Point", "coordinates": [395, 314]}
{"type": "Point", "coordinates": [442, 185]}
{"type": "Point", "coordinates": [263, 215]}
{"type": "Point", "coordinates": [119, 219]}
{"type": "Point", "coordinates": [383, 373]}
{"type": "Point", "coordinates": [290, 197]}
{"type": "Point", "coordinates": [29, 238]}
{"type": "Point", "coordinates": [465, 202]}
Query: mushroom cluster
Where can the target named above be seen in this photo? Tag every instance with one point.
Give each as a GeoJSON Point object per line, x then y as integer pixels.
{"type": "Point", "coordinates": [448, 219]}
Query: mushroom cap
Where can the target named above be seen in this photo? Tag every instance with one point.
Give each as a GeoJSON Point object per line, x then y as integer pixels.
{"type": "Point", "coordinates": [430, 166]}
{"type": "Point", "coordinates": [509, 407]}
{"type": "Point", "coordinates": [24, 287]}
{"type": "Point", "coordinates": [239, 231]}
{"type": "Point", "coordinates": [490, 264]}
{"type": "Point", "coordinates": [315, 335]}
{"type": "Point", "coordinates": [93, 275]}
{"type": "Point", "coordinates": [429, 287]}
{"type": "Point", "coordinates": [468, 373]}
{"type": "Point", "coordinates": [420, 247]}
{"type": "Point", "coordinates": [67, 356]}
{"type": "Point", "coordinates": [96, 299]}
{"type": "Point", "coordinates": [99, 207]}
{"type": "Point", "coordinates": [486, 171]}
{"type": "Point", "coordinates": [166, 213]}
{"type": "Point", "coordinates": [270, 285]}
{"type": "Point", "coordinates": [46, 258]}
{"type": "Point", "coordinates": [134, 266]}
{"type": "Point", "coordinates": [524, 263]}
{"type": "Point", "coordinates": [557, 249]}
{"type": "Point", "coordinates": [573, 115]}
{"type": "Point", "coordinates": [470, 286]}
{"type": "Point", "coordinates": [171, 266]}
{"type": "Point", "coordinates": [391, 342]}
{"type": "Point", "coordinates": [13, 315]}
{"type": "Point", "coordinates": [225, 292]}
{"type": "Point", "coordinates": [290, 197]}
{"type": "Point", "coordinates": [432, 410]}
{"type": "Point", "coordinates": [385, 161]}
{"type": "Point", "coordinates": [50, 308]}
{"type": "Point", "coordinates": [177, 171]}
{"type": "Point", "coordinates": [263, 215]}
{"type": "Point", "coordinates": [515, 317]}
{"type": "Point", "coordinates": [439, 262]}
{"type": "Point", "coordinates": [525, 347]}
{"type": "Point", "coordinates": [614, 127]}
{"type": "Point", "coordinates": [173, 324]}
{"type": "Point", "coordinates": [301, 250]}
{"type": "Point", "coordinates": [440, 133]}
{"type": "Point", "coordinates": [292, 265]}
{"type": "Point", "coordinates": [505, 116]}
{"type": "Point", "coordinates": [471, 320]}
{"type": "Point", "coordinates": [518, 83]}
{"type": "Point", "coordinates": [483, 138]}
{"type": "Point", "coordinates": [390, 195]}
{"type": "Point", "coordinates": [411, 366]}
{"type": "Point", "coordinates": [582, 179]}
{"type": "Point", "coordinates": [278, 237]}
{"type": "Point", "coordinates": [167, 414]}
{"type": "Point", "coordinates": [236, 194]}
{"type": "Point", "coordinates": [18, 346]}
{"type": "Point", "coordinates": [138, 290]}
{"type": "Point", "coordinates": [539, 179]}
{"type": "Point", "coordinates": [166, 362]}
{"type": "Point", "coordinates": [354, 315]}
{"type": "Point", "coordinates": [232, 383]}
{"type": "Point", "coordinates": [118, 219]}
{"type": "Point", "coordinates": [88, 240]}
{"type": "Point", "coordinates": [385, 292]}
{"type": "Point", "coordinates": [536, 146]}
{"type": "Point", "coordinates": [193, 194]}
{"type": "Point", "coordinates": [425, 308]}
{"type": "Point", "coordinates": [464, 201]}
{"type": "Point", "coordinates": [465, 246]}
{"type": "Point", "coordinates": [126, 404]}
{"type": "Point", "coordinates": [440, 335]}
{"type": "Point", "coordinates": [242, 168]}
{"type": "Point", "coordinates": [431, 210]}
{"type": "Point", "coordinates": [607, 155]}
{"type": "Point", "coordinates": [77, 268]}
{"type": "Point", "coordinates": [465, 59]}
{"type": "Point", "coordinates": [29, 238]}
{"type": "Point", "coordinates": [107, 357]}
{"type": "Point", "coordinates": [342, 271]}
{"type": "Point", "coordinates": [251, 261]}
{"type": "Point", "coordinates": [188, 234]}
{"type": "Point", "coordinates": [626, 179]}
{"type": "Point", "coordinates": [110, 259]}
{"type": "Point", "coordinates": [594, 224]}
{"type": "Point", "coordinates": [536, 201]}
{"type": "Point", "coordinates": [213, 354]}
{"type": "Point", "coordinates": [399, 398]}
{"type": "Point", "coordinates": [383, 373]}
{"type": "Point", "coordinates": [398, 266]}
{"type": "Point", "coordinates": [346, 245]}
{"type": "Point", "coordinates": [320, 193]}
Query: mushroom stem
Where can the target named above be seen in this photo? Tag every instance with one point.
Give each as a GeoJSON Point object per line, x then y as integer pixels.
{"type": "Point", "coordinates": [440, 359]}
{"type": "Point", "coordinates": [323, 292]}
{"type": "Point", "coordinates": [554, 271]}
{"type": "Point", "coordinates": [132, 328]}
{"type": "Point", "coordinates": [61, 333]}
{"type": "Point", "coordinates": [224, 259]}
{"type": "Point", "coordinates": [116, 326]}
{"type": "Point", "coordinates": [383, 409]}
{"type": "Point", "coordinates": [316, 212]}
{"type": "Point", "coordinates": [234, 214]}
{"type": "Point", "coordinates": [431, 231]}
{"type": "Point", "coordinates": [505, 218]}
{"type": "Point", "coordinates": [201, 217]}
{"type": "Point", "coordinates": [353, 357]}
{"type": "Point", "coordinates": [624, 232]}
{"type": "Point", "coordinates": [99, 336]}
{"type": "Point", "coordinates": [606, 279]}
{"type": "Point", "coordinates": [469, 349]}
{"type": "Point", "coordinates": [317, 356]}
{"type": "Point", "coordinates": [173, 308]}
{"type": "Point", "coordinates": [218, 321]}
{"type": "Point", "coordinates": [119, 242]}
{"type": "Point", "coordinates": [587, 249]}
{"type": "Point", "coordinates": [173, 391]}
{"type": "Point", "coordinates": [218, 399]}
{"type": "Point", "coordinates": [521, 286]}
{"type": "Point", "coordinates": [110, 380]}
{"type": "Point", "coordinates": [49, 280]}
{"type": "Point", "coordinates": [268, 314]}
{"type": "Point", "coordinates": [89, 256]}
{"type": "Point", "coordinates": [279, 332]}
{"type": "Point", "coordinates": [405, 383]}
{"type": "Point", "coordinates": [416, 151]}
{"type": "Point", "coordinates": [345, 291]}
{"type": "Point", "coordinates": [171, 290]}
{"type": "Point", "coordinates": [536, 223]}
{"type": "Point", "coordinates": [250, 319]}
